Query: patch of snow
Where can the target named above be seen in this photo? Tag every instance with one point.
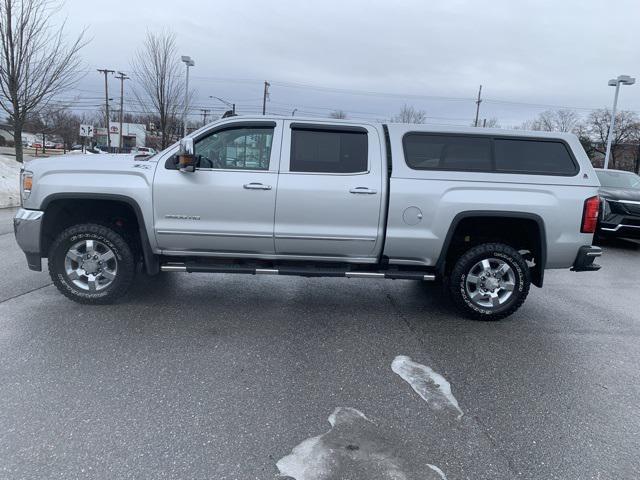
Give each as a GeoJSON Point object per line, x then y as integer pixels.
{"type": "Point", "coordinates": [431, 386]}
{"type": "Point", "coordinates": [9, 182]}
{"type": "Point", "coordinates": [438, 471]}
{"type": "Point", "coordinates": [354, 447]}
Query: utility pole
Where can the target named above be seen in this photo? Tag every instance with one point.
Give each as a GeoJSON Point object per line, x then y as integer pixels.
{"type": "Point", "coordinates": [122, 77]}
{"type": "Point", "coordinates": [205, 113]}
{"type": "Point", "coordinates": [189, 62]}
{"type": "Point", "coordinates": [478, 102]}
{"type": "Point", "coordinates": [264, 97]}
{"type": "Point", "coordinates": [106, 99]}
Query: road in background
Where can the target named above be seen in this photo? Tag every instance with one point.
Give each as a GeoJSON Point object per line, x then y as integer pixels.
{"type": "Point", "coordinates": [198, 376]}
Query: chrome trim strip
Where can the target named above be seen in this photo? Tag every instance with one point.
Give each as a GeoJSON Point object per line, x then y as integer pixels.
{"type": "Point", "coordinates": [173, 268]}
{"type": "Point", "coordinates": [618, 227]}
{"type": "Point", "coordinates": [429, 278]}
{"type": "Point", "coordinates": [364, 275]}
{"type": "Point", "coordinates": [267, 271]}
{"type": "Point", "coordinates": [313, 237]}
{"type": "Point", "coordinates": [594, 254]}
{"type": "Point", "coordinates": [630, 202]}
{"type": "Point", "coordinates": [213, 234]}
{"type": "Point", "coordinates": [404, 261]}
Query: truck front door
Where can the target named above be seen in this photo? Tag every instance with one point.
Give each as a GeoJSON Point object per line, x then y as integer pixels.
{"type": "Point", "coordinates": [330, 192]}
{"type": "Point", "coordinates": [227, 205]}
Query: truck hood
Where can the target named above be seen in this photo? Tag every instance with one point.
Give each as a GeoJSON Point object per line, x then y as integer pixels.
{"type": "Point", "coordinates": [103, 162]}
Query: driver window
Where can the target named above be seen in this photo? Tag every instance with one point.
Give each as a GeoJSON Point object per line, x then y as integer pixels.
{"type": "Point", "coordinates": [242, 148]}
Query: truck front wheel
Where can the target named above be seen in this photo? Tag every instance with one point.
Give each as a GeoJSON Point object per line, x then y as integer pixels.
{"type": "Point", "coordinates": [91, 264]}
{"type": "Point", "coordinates": [489, 281]}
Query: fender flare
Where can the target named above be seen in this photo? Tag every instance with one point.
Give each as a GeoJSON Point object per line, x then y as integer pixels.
{"type": "Point", "coordinates": [151, 260]}
{"type": "Point", "coordinates": [538, 274]}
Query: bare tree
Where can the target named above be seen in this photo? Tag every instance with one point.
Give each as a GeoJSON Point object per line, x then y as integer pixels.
{"type": "Point", "coordinates": [36, 63]}
{"type": "Point", "coordinates": [408, 114]}
{"type": "Point", "coordinates": [562, 120]}
{"type": "Point", "coordinates": [159, 87]}
{"type": "Point", "coordinates": [65, 123]}
{"type": "Point", "coordinates": [338, 114]}
{"type": "Point", "coordinates": [596, 129]}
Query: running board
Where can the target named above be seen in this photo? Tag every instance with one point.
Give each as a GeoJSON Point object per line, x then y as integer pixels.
{"type": "Point", "coordinates": [195, 267]}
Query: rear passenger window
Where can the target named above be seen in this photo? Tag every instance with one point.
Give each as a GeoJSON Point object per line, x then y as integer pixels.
{"type": "Point", "coordinates": [533, 156]}
{"type": "Point", "coordinates": [447, 152]}
{"type": "Point", "coordinates": [328, 151]}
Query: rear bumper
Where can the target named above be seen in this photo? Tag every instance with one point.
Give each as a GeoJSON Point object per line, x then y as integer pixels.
{"type": "Point", "coordinates": [27, 225]}
{"type": "Point", "coordinates": [584, 260]}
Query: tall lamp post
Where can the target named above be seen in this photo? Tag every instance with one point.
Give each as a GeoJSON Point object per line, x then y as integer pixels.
{"type": "Point", "coordinates": [188, 61]}
{"type": "Point", "coordinates": [615, 82]}
{"type": "Point", "coordinates": [228, 104]}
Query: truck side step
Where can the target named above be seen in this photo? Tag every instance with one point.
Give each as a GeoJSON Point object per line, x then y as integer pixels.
{"type": "Point", "coordinates": [300, 271]}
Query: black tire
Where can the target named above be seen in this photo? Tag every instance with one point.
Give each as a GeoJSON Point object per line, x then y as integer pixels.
{"type": "Point", "coordinates": [123, 254]}
{"type": "Point", "coordinates": [494, 252]}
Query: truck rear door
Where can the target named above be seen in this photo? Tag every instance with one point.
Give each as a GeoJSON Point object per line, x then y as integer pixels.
{"type": "Point", "coordinates": [330, 192]}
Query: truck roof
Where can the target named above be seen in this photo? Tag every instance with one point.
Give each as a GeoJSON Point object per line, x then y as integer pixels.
{"type": "Point", "coordinates": [415, 127]}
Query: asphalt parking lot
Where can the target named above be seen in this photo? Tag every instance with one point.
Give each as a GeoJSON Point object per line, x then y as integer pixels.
{"type": "Point", "coordinates": [221, 377]}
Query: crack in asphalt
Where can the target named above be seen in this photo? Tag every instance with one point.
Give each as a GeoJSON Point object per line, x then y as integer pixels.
{"type": "Point", "coordinates": [26, 293]}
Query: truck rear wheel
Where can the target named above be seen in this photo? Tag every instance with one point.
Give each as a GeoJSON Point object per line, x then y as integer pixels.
{"type": "Point", "coordinates": [91, 264]}
{"type": "Point", "coordinates": [490, 281]}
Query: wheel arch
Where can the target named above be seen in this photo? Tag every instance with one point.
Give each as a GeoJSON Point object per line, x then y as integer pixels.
{"type": "Point", "coordinates": [540, 240]}
{"type": "Point", "coordinates": [150, 260]}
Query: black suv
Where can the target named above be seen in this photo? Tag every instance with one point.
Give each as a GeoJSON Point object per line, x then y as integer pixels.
{"type": "Point", "coordinates": [620, 209]}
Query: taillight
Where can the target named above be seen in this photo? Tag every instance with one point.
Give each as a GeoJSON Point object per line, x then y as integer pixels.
{"type": "Point", "coordinates": [590, 215]}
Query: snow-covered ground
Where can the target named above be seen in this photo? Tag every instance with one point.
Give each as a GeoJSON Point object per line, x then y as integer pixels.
{"type": "Point", "coordinates": [9, 182]}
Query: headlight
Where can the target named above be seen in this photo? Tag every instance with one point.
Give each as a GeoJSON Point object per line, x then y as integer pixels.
{"type": "Point", "coordinates": [26, 184]}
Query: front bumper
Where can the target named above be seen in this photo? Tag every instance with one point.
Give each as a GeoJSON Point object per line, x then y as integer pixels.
{"type": "Point", "coordinates": [27, 225]}
{"type": "Point", "coordinates": [619, 230]}
{"type": "Point", "coordinates": [620, 218]}
{"type": "Point", "coordinates": [584, 260]}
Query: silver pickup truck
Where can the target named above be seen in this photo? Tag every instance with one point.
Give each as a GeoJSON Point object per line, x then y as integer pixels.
{"type": "Point", "coordinates": [483, 211]}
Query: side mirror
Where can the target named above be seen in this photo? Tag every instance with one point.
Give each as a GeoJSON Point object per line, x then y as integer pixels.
{"type": "Point", "coordinates": [186, 156]}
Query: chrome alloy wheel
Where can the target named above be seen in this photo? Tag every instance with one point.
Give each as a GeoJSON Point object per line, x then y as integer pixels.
{"type": "Point", "coordinates": [490, 283]}
{"type": "Point", "coordinates": [90, 265]}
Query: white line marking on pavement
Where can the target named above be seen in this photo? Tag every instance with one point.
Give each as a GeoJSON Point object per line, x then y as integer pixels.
{"type": "Point", "coordinates": [431, 386]}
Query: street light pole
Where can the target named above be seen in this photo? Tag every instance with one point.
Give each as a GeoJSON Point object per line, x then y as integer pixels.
{"type": "Point", "coordinates": [228, 104]}
{"type": "Point", "coordinates": [188, 61]}
{"type": "Point", "coordinates": [615, 82]}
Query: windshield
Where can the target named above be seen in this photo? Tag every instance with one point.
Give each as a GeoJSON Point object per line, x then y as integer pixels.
{"type": "Point", "coordinates": [613, 179]}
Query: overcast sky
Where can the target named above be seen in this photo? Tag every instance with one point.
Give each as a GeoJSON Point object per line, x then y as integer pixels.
{"type": "Point", "coordinates": [325, 55]}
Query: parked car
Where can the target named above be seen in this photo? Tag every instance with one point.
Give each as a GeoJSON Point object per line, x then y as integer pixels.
{"type": "Point", "coordinates": [76, 147]}
{"type": "Point", "coordinates": [49, 144]}
{"type": "Point", "coordinates": [143, 151]}
{"type": "Point", "coordinates": [485, 211]}
{"type": "Point", "coordinates": [620, 213]}
{"type": "Point", "coordinates": [59, 146]}
{"type": "Point", "coordinates": [36, 144]}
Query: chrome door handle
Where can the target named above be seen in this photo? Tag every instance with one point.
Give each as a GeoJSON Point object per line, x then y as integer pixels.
{"type": "Point", "coordinates": [363, 190]}
{"type": "Point", "coordinates": [256, 186]}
